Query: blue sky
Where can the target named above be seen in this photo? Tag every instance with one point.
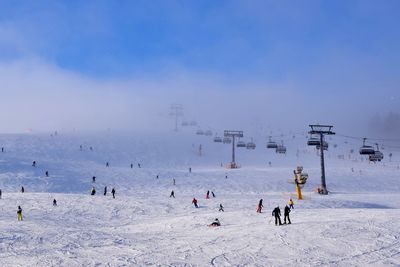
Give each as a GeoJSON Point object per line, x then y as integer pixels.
{"type": "Point", "coordinates": [332, 50]}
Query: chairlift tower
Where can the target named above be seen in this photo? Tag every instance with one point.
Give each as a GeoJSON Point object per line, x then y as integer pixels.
{"type": "Point", "coordinates": [177, 111]}
{"type": "Point", "coordinates": [233, 134]}
{"type": "Point", "coordinates": [322, 130]}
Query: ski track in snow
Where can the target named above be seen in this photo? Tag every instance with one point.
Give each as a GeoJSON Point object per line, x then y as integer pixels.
{"type": "Point", "coordinates": [356, 225]}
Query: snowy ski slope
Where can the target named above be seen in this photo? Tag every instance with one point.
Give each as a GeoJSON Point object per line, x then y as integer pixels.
{"type": "Point", "coordinates": [356, 225]}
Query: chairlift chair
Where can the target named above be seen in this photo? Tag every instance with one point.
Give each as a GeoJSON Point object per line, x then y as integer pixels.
{"type": "Point", "coordinates": [271, 144]}
{"type": "Point", "coordinates": [208, 133]}
{"type": "Point", "coordinates": [217, 139]}
{"type": "Point", "coordinates": [313, 141]}
{"type": "Point", "coordinates": [366, 150]}
{"type": "Point", "coordinates": [226, 140]}
{"type": "Point", "coordinates": [199, 132]}
{"type": "Point", "coordinates": [241, 144]}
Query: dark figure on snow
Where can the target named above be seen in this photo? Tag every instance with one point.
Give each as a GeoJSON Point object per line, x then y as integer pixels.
{"type": "Point", "coordinates": [22, 189]}
{"type": "Point", "coordinates": [157, 177]}
{"type": "Point", "coordinates": [34, 164]}
{"type": "Point", "coordinates": [54, 202]}
{"type": "Point", "coordinates": [113, 192]}
{"type": "Point", "coordinates": [286, 215]}
{"type": "Point", "coordinates": [208, 194]}
{"type": "Point", "coordinates": [94, 179]}
{"type": "Point", "coordinates": [215, 223]}
{"type": "Point", "coordinates": [291, 204]}
{"type": "Point", "coordinates": [80, 147]}
{"type": "Point", "coordinates": [131, 165]}
{"type": "Point", "coordinates": [2, 149]}
{"type": "Point", "coordinates": [19, 213]}
{"type": "Point", "coordinates": [107, 164]}
{"type": "Point", "coordinates": [105, 190]}
{"type": "Point", "coordinates": [47, 173]}
{"type": "Point", "coordinates": [226, 176]}
{"type": "Point", "coordinates": [190, 170]}
{"type": "Point", "coordinates": [174, 181]}
{"type": "Point", "coordinates": [172, 194]}
{"type": "Point", "coordinates": [138, 165]}
{"type": "Point", "coordinates": [91, 148]}
{"type": "Point", "coordinates": [0, 193]}
{"type": "Point", "coordinates": [221, 208]}
{"type": "Point", "coordinates": [194, 202]}
{"type": "Point", "coordinates": [212, 193]}
{"type": "Point", "coordinates": [93, 191]}
{"type": "Point", "coordinates": [277, 214]}
{"type": "Point", "coordinates": [260, 206]}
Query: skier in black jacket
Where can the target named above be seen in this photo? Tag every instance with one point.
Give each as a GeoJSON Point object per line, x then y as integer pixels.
{"type": "Point", "coordinates": [277, 213]}
{"type": "Point", "coordinates": [286, 214]}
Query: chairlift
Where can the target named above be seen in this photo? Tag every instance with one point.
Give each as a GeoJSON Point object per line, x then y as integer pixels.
{"type": "Point", "coordinates": [271, 144]}
{"type": "Point", "coordinates": [313, 141]}
{"type": "Point", "coordinates": [281, 149]}
{"type": "Point", "coordinates": [241, 144]}
{"type": "Point", "coordinates": [185, 123]}
{"type": "Point", "coordinates": [226, 140]}
{"type": "Point", "coordinates": [199, 132]}
{"type": "Point", "coordinates": [251, 145]}
{"type": "Point", "coordinates": [324, 145]}
{"type": "Point", "coordinates": [366, 150]}
{"type": "Point", "coordinates": [217, 139]}
{"type": "Point", "coordinates": [377, 156]}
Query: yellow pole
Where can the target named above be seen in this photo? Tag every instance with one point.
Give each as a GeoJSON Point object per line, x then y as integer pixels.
{"type": "Point", "coordinates": [298, 189]}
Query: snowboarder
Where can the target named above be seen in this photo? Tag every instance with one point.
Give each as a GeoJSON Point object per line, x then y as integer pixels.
{"type": "Point", "coordinates": [105, 190]}
{"type": "Point", "coordinates": [93, 191]}
{"type": "Point", "coordinates": [212, 193]}
{"type": "Point", "coordinates": [47, 173]}
{"type": "Point", "coordinates": [277, 214]}
{"type": "Point", "coordinates": [194, 202]}
{"type": "Point", "coordinates": [113, 192]}
{"type": "Point", "coordinates": [94, 179]}
{"type": "Point", "coordinates": [19, 213]}
{"type": "Point", "coordinates": [34, 164]}
{"type": "Point", "coordinates": [172, 194]}
{"type": "Point", "coordinates": [208, 194]}
{"type": "Point", "coordinates": [291, 204]}
{"type": "Point", "coordinates": [54, 202]}
{"type": "Point", "coordinates": [107, 164]}
{"type": "Point", "coordinates": [221, 208]}
{"type": "Point", "coordinates": [22, 189]}
{"type": "Point", "coordinates": [286, 215]}
{"type": "Point", "coordinates": [215, 223]}
{"type": "Point", "coordinates": [260, 206]}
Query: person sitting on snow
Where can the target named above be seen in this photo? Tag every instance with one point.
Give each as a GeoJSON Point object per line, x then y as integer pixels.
{"type": "Point", "coordinates": [215, 223]}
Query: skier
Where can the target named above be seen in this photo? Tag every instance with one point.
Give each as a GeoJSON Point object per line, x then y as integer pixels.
{"type": "Point", "coordinates": [34, 164]}
{"type": "Point", "coordinates": [172, 194]}
{"type": "Point", "coordinates": [277, 214]}
{"type": "Point", "coordinates": [291, 204]}
{"type": "Point", "coordinates": [22, 189]}
{"type": "Point", "coordinates": [215, 223]}
{"type": "Point", "coordinates": [105, 190]}
{"type": "Point", "coordinates": [19, 213]}
{"type": "Point", "coordinates": [286, 215]}
{"type": "Point", "coordinates": [212, 193]}
{"type": "Point", "coordinates": [113, 192]}
{"type": "Point", "coordinates": [107, 164]}
{"type": "Point", "coordinates": [260, 206]}
{"type": "Point", "coordinates": [221, 208]}
{"type": "Point", "coordinates": [94, 179]}
{"type": "Point", "coordinates": [93, 191]}
{"type": "Point", "coordinates": [194, 202]}
{"type": "Point", "coordinates": [208, 194]}
{"type": "Point", "coordinates": [47, 173]}
{"type": "Point", "coordinates": [54, 202]}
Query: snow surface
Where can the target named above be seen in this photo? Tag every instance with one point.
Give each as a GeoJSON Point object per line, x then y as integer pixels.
{"type": "Point", "coordinates": [357, 224]}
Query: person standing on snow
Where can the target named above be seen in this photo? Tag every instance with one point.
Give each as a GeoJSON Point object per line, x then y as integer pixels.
{"type": "Point", "coordinates": [47, 173]}
{"type": "Point", "coordinates": [34, 163]}
{"type": "Point", "coordinates": [260, 206]}
{"type": "Point", "coordinates": [172, 194]}
{"type": "Point", "coordinates": [93, 191]}
{"type": "Point", "coordinates": [208, 194]}
{"type": "Point", "coordinates": [105, 190]}
{"type": "Point", "coordinates": [277, 214]}
{"type": "Point", "coordinates": [0, 193]}
{"type": "Point", "coordinates": [212, 193]}
{"type": "Point", "coordinates": [19, 213]}
{"type": "Point", "coordinates": [22, 189]}
{"type": "Point", "coordinates": [54, 202]}
{"type": "Point", "coordinates": [286, 215]}
{"type": "Point", "coordinates": [93, 179]}
{"type": "Point", "coordinates": [194, 202]}
{"type": "Point", "coordinates": [113, 192]}
{"type": "Point", "coordinates": [291, 204]}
